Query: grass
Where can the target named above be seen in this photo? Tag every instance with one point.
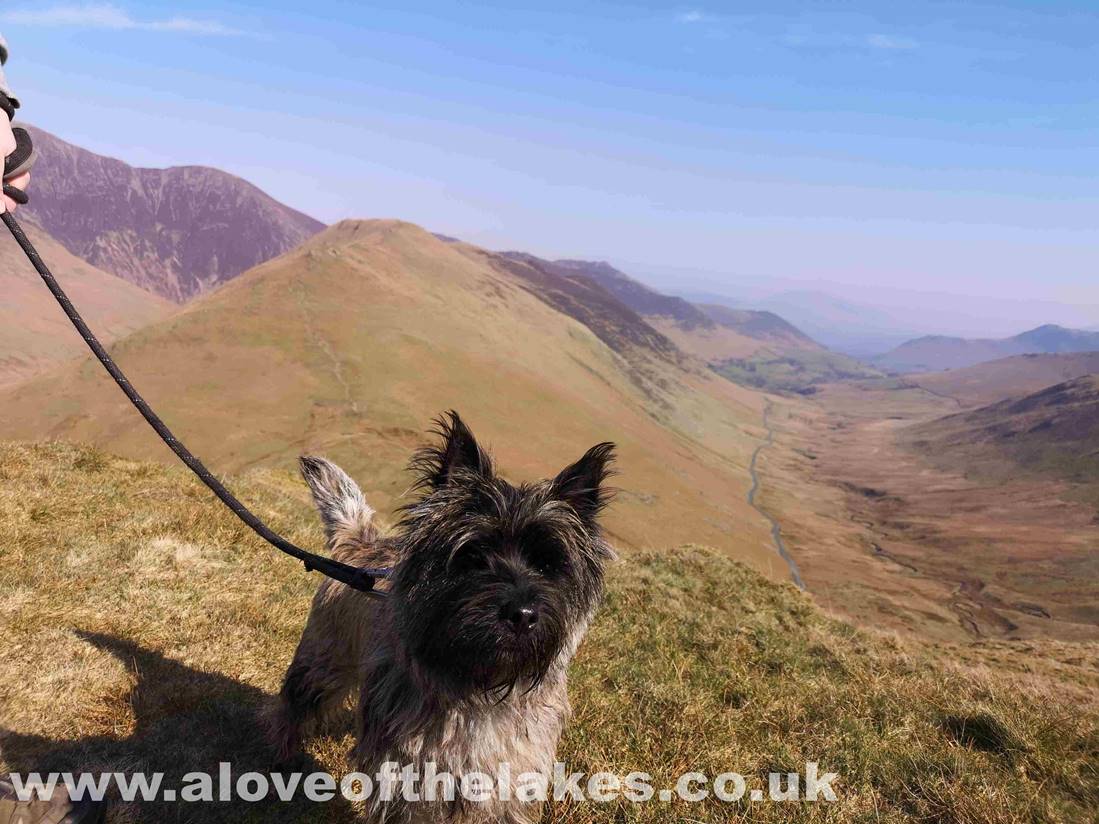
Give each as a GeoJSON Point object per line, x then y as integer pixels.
{"type": "Point", "coordinates": [796, 371]}
{"type": "Point", "coordinates": [144, 629]}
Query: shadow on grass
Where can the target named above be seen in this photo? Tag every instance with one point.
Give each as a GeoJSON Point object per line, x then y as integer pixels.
{"type": "Point", "coordinates": [185, 721]}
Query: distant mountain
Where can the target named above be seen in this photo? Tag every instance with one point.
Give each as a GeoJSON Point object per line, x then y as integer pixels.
{"type": "Point", "coordinates": [1053, 432]}
{"type": "Point", "coordinates": [856, 329]}
{"type": "Point", "coordinates": [177, 232]}
{"type": "Point", "coordinates": [1014, 377]}
{"type": "Point", "coordinates": [34, 333]}
{"type": "Point", "coordinates": [934, 353]}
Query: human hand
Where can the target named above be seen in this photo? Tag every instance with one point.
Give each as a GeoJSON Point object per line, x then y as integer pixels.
{"type": "Point", "coordinates": [7, 146]}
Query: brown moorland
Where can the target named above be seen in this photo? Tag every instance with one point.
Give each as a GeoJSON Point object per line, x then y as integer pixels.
{"type": "Point", "coordinates": [921, 539]}
{"type": "Point", "coordinates": [34, 334]}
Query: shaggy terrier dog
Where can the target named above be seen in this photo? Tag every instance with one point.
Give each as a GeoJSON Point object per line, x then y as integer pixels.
{"type": "Point", "coordinates": [462, 664]}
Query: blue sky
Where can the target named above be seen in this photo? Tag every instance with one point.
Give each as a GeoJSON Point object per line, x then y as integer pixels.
{"type": "Point", "coordinates": [915, 154]}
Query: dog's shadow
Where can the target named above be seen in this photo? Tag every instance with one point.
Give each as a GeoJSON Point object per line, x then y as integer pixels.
{"type": "Point", "coordinates": [185, 720]}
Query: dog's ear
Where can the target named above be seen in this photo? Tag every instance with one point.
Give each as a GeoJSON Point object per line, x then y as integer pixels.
{"type": "Point", "coordinates": [346, 515]}
{"type": "Point", "coordinates": [582, 485]}
{"type": "Point", "coordinates": [457, 451]}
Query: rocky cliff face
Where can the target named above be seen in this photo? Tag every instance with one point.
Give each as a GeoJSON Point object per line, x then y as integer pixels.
{"type": "Point", "coordinates": [177, 232]}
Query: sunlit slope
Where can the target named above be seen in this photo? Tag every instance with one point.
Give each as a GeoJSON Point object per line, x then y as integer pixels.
{"type": "Point", "coordinates": [34, 333]}
{"type": "Point", "coordinates": [352, 343]}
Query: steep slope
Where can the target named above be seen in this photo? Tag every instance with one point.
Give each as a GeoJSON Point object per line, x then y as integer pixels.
{"type": "Point", "coordinates": [998, 380]}
{"type": "Point", "coordinates": [1053, 432]}
{"type": "Point", "coordinates": [352, 343]}
{"type": "Point", "coordinates": [34, 334]}
{"type": "Point", "coordinates": [177, 232]}
{"type": "Point", "coordinates": [934, 353]}
{"type": "Point", "coordinates": [639, 297]}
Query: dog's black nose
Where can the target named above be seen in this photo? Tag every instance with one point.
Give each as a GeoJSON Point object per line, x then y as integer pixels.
{"type": "Point", "coordinates": [521, 618]}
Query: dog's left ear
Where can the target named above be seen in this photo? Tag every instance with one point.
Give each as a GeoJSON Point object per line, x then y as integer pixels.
{"type": "Point", "coordinates": [582, 484]}
{"type": "Point", "coordinates": [456, 453]}
{"type": "Point", "coordinates": [348, 519]}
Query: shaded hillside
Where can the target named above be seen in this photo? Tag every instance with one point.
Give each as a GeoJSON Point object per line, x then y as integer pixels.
{"type": "Point", "coordinates": [712, 333]}
{"type": "Point", "coordinates": [353, 342]}
{"type": "Point", "coordinates": [145, 636]}
{"type": "Point", "coordinates": [934, 353]}
{"type": "Point", "coordinates": [177, 232]}
{"type": "Point", "coordinates": [1054, 432]}
{"type": "Point", "coordinates": [998, 380]}
{"type": "Point", "coordinates": [615, 322]}
{"type": "Point", "coordinates": [639, 297]}
{"type": "Point", "coordinates": [34, 333]}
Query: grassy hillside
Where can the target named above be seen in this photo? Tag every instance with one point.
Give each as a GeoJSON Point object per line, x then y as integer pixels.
{"type": "Point", "coordinates": [1054, 432]}
{"type": "Point", "coordinates": [34, 333]}
{"type": "Point", "coordinates": [145, 627]}
{"type": "Point", "coordinates": [351, 344]}
{"type": "Point", "coordinates": [1014, 377]}
{"type": "Point", "coordinates": [800, 370]}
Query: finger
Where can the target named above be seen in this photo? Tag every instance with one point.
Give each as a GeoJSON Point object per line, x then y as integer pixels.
{"type": "Point", "coordinates": [21, 183]}
{"type": "Point", "coordinates": [7, 142]}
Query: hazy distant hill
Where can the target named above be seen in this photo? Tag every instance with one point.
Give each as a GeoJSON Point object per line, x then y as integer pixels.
{"type": "Point", "coordinates": [934, 353]}
{"type": "Point", "coordinates": [351, 343]}
{"type": "Point", "coordinates": [856, 329]}
{"type": "Point", "coordinates": [34, 333]}
{"type": "Point", "coordinates": [1054, 431]}
{"type": "Point", "coordinates": [177, 232]}
{"type": "Point", "coordinates": [1012, 377]}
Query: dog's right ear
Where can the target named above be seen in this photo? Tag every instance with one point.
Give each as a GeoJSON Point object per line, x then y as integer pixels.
{"type": "Point", "coordinates": [347, 517]}
{"type": "Point", "coordinates": [457, 451]}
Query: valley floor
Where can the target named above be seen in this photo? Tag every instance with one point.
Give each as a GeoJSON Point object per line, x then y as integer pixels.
{"type": "Point", "coordinates": [885, 538]}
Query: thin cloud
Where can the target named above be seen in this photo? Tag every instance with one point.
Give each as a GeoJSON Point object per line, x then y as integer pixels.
{"type": "Point", "coordinates": [694, 16]}
{"type": "Point", "coordinates": [889, 42]}
{"type": "Point", "coordinates": [809, 39]}
{"type": "Point", "coordinates": [108, 16]}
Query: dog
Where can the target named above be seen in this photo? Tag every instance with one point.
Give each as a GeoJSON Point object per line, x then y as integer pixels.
{"type": "Point", "coordinates": [463, 664]}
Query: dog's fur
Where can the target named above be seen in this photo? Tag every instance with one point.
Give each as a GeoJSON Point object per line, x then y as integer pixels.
{"type": "Point", "coordinates": [449, 669]}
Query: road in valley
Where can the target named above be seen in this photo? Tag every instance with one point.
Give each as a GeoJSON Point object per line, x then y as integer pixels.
{"type": "Point", "coordinates": [776, 530]}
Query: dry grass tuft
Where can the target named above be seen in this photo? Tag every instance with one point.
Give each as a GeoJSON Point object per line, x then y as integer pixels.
{"type": "Point", "coordinates": [145, 628]}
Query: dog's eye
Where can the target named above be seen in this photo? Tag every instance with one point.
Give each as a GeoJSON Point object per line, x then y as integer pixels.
{"type": "Point", "coordinates": [469, 556]}
{"type": "Point", "coordinates": [546, 559]}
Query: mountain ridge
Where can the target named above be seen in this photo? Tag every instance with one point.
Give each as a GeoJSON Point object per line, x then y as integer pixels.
{"type": "Point", "coordinates": [933, 353]}
{"type": "Point", "coordinates": [178, 231]}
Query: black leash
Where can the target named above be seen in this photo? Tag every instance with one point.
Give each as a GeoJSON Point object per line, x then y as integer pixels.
{"type": "Point", "coordinates": [362, 579]}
